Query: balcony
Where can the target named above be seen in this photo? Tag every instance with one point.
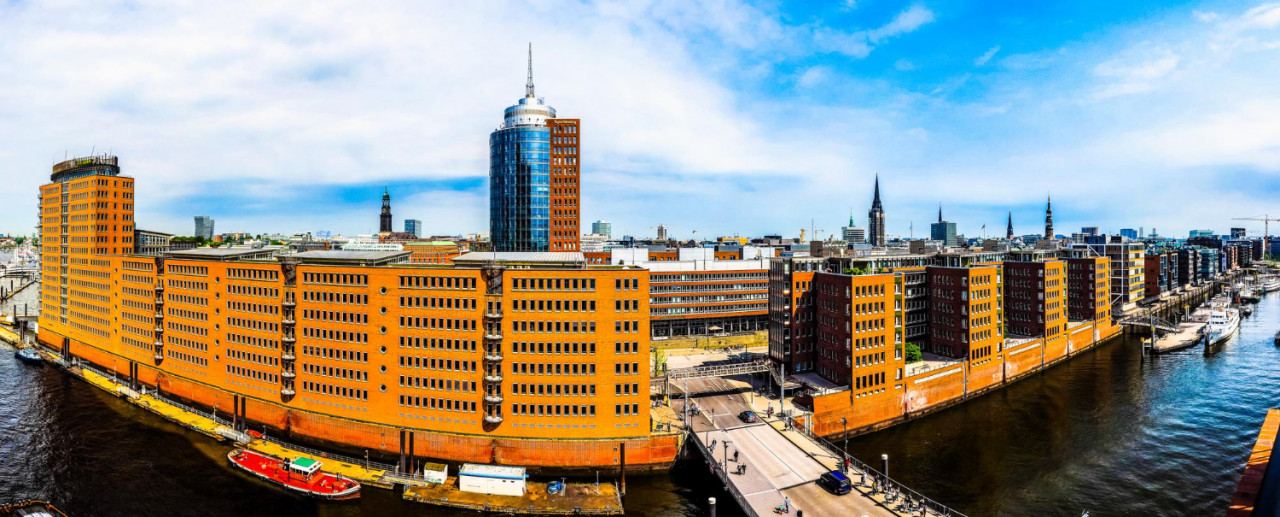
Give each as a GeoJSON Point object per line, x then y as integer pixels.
{"type": "Point", "coordinates": [289, 303]}
{"type": "Point", "coordinates": [493, 419]}
{"type": "Point", "coordinates": [493, 358]}
{"type": "Point", "coordinates": [496, 377]}
{"type": "Point", "coordinates": [288, 374]}
{"type": "Point", "coordinates": [288, 321]}
{"type": "Point", "coordinates": [288, 356]}
{"type": "Point", "coordinates": [492, 336]}
{"type": "Point", "coordinates": [493, 399]}
{"type": "Point", "coordinates": [287, 339]}
{"type": "Point", "coordinates": [288, 392]}
{"type": "Point", "coordinates": [493, 315]}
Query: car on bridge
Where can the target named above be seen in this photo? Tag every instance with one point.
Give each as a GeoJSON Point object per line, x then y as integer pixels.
{"type": "Point", "coordinates": [748, 417]}
{"type": "Point", "coordinates": [836, 482]}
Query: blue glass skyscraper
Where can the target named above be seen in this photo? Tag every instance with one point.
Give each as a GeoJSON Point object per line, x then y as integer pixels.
{"type": "Point", "coordinates": [520, 175]}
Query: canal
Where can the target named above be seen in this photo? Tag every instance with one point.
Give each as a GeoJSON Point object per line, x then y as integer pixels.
{"type": "Point", "coordinates": [1109, 432]}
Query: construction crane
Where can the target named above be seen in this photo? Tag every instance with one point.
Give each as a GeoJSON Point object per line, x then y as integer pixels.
{"type": "Point", "coordinates": [1266, 219]}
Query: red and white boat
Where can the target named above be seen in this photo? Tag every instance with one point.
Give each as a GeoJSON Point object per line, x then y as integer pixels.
{"type": "Point", "coordinates": [300, 475]}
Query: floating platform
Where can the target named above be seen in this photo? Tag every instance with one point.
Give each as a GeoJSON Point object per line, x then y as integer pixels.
{"type": "Point", "coordinates": [575, 499]}
{"type": "Point", "coordinates": [33, 508]}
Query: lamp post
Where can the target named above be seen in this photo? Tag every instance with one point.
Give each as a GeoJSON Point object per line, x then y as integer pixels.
{"type": "Point", "coordinates": [726, 455]}
{"type": "Point", "coordinates": [845, 422]}
{"type": "Point", "coordinates": [884, 461]}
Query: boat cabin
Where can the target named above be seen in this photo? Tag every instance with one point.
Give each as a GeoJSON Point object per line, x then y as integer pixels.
{"type": "Point", "coordinates": [306, 467]}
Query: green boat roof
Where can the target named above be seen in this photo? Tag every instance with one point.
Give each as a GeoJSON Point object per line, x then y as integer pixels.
{"type": "Point", "coordinates": [303, 463]}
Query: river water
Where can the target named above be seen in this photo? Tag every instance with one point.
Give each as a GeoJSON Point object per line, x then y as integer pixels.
{"type": "Point", "coordinates": [1109, 432]}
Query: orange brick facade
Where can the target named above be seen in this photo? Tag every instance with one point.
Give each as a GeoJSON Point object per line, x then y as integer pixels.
{"type": "Point", "coordinates": [541, 367]}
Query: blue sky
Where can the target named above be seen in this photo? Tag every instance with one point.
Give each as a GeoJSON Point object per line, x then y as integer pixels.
{"type": "Point", "coordinates": [719, 117]}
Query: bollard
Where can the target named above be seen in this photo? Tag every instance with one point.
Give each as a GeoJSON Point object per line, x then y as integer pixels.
{"type": "Point", "coordinates": [712, 501]}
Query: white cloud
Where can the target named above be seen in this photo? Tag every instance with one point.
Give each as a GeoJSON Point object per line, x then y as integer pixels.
{"type": "Point", "coordinates": [1265, 16]}
{"type": "Point", "coordinates": [904, 65]}
{"type": "Point", "coordinates": [813, 76]}
{"type": "Point", "coordinates": [986, 56]}
{"type": "Point", "coordinates": [906, 21]}
{"type": "Point", "coordinates": [1129, 75]}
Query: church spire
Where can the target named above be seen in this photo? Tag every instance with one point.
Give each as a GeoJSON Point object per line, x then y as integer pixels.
{"type": "Point", "coordinates": [875, 203]}
{"type": "Point", "coordinates": [1048, 218]}
{"type": "Point", "coordinates": [1009, 232]}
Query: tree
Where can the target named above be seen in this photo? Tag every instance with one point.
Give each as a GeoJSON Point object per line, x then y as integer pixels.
{"type": "Point", "coordinates": [913, 353]}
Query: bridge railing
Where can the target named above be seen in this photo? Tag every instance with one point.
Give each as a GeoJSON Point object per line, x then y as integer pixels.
{"type": "Point", "coordinates": [722, 474]}
{"type": "Point", "coordinates": [885, 483]}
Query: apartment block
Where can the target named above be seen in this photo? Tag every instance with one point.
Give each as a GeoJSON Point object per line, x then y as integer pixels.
{"type": "Point", "coordinates": [965, 311]}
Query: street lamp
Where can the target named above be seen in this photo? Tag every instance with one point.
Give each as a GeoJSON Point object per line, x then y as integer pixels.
{"type": "Point", "coordinates": [884, 460]}
{"type": "Point", "coordinates": [726, 455]}
{"type": "Point", "coordinates": [845, 422]}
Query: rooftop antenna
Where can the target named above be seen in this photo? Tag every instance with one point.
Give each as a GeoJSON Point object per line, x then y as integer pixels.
{"type": "Point", "coordinates": [528, 86]}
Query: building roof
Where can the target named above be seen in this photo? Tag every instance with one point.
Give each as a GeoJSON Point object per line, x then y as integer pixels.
{"type": "Point", "coordinates": [528, 257]}
{"type": "Point", "coordinates": [431, 243]}
{"type": "Point", "coordinates": [492, 471]}
{"type": "Point", "coordinates": [364, 258]}
{"type": "Point", "coordinates": [222, 253]}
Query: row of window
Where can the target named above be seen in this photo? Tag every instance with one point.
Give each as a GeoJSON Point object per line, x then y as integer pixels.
{"type": "Point", "coordinates": [335, 353]}
{"type": "Point", "coordinates": [553, 410]}
{"type": "Point", "coordinates": [554, 368]}
{"type": "Point", "coordinates": [432, 383]}
{"type": "Point", "coordinates": [336, 391]}
{"type": "Point", "coordinates": [338, 373]}
{"type": "Point", "coordinates": [250, 373]}
{"type": "Point", "coordinates": [436, 302]}
{"type": "Point", "coordinates": [431, 343]}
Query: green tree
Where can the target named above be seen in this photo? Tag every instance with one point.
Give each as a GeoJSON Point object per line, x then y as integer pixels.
{"type": "Point", "coordinates": [913, 353]}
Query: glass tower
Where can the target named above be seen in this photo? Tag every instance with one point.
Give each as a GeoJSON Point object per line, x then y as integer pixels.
{"type": "Point", "coordinates": [520, 176]}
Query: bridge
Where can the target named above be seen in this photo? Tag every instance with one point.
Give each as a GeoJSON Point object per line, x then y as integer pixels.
{"type": "Point", "coordinates": [1148, 321]}
{"type": "Point", "coordinates": [765, 464]}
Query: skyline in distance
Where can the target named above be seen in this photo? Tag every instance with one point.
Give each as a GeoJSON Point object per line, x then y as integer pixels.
{"type": "Point", "coordinates": [729, 120]}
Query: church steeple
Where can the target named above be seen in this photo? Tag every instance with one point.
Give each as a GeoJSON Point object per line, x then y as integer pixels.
{"type": "Point", "coordinates": [1009, 232]}
{"type": "Point", "coordinates": [384, 219]}
{"type": "Point", "coordinates": [1048, 218]}
{"type": "Point", "coordinates": [875, 219]}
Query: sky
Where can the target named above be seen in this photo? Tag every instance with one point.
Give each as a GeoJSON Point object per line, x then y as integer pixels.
{"type": "Point", "coordinates": [714, 118]}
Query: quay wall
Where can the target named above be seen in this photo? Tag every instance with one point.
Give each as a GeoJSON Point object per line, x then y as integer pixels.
{"type": "Point", "coordinates": [931, 390]}
{"type": "Point", "coordinates": [648, 453]}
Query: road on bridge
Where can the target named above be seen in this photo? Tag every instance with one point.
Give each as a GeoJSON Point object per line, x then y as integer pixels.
{"type": "Point", "coordinates": [776, 467]}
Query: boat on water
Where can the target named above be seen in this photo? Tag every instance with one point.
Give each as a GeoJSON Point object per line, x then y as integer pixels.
{"type": "Point", "coordinates": [302, 475]}
{"type": "Point", "coordinates": [29, 356]}
{"type": "Point", "coordinates": [1223, 322]}
{"type": "Point", "coordinates": [32, 508]}
{"type": "Point", "coordinates": [1270, 285]}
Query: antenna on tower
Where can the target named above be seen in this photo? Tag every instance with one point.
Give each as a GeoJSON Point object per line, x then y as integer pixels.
{"type": "Point", "coordinates": [528, 86]}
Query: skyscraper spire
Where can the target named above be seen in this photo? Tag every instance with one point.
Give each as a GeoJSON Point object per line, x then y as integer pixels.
{"type": "Point", "coordinates": [528, 86]}
{"type": "Point", "coordinates": [939, 212]}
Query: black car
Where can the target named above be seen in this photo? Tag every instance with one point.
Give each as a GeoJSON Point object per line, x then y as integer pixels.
{"type": "Point", "coordinates": [836, 482]}
{"type": "Point", "coordinates": [748, 417]}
